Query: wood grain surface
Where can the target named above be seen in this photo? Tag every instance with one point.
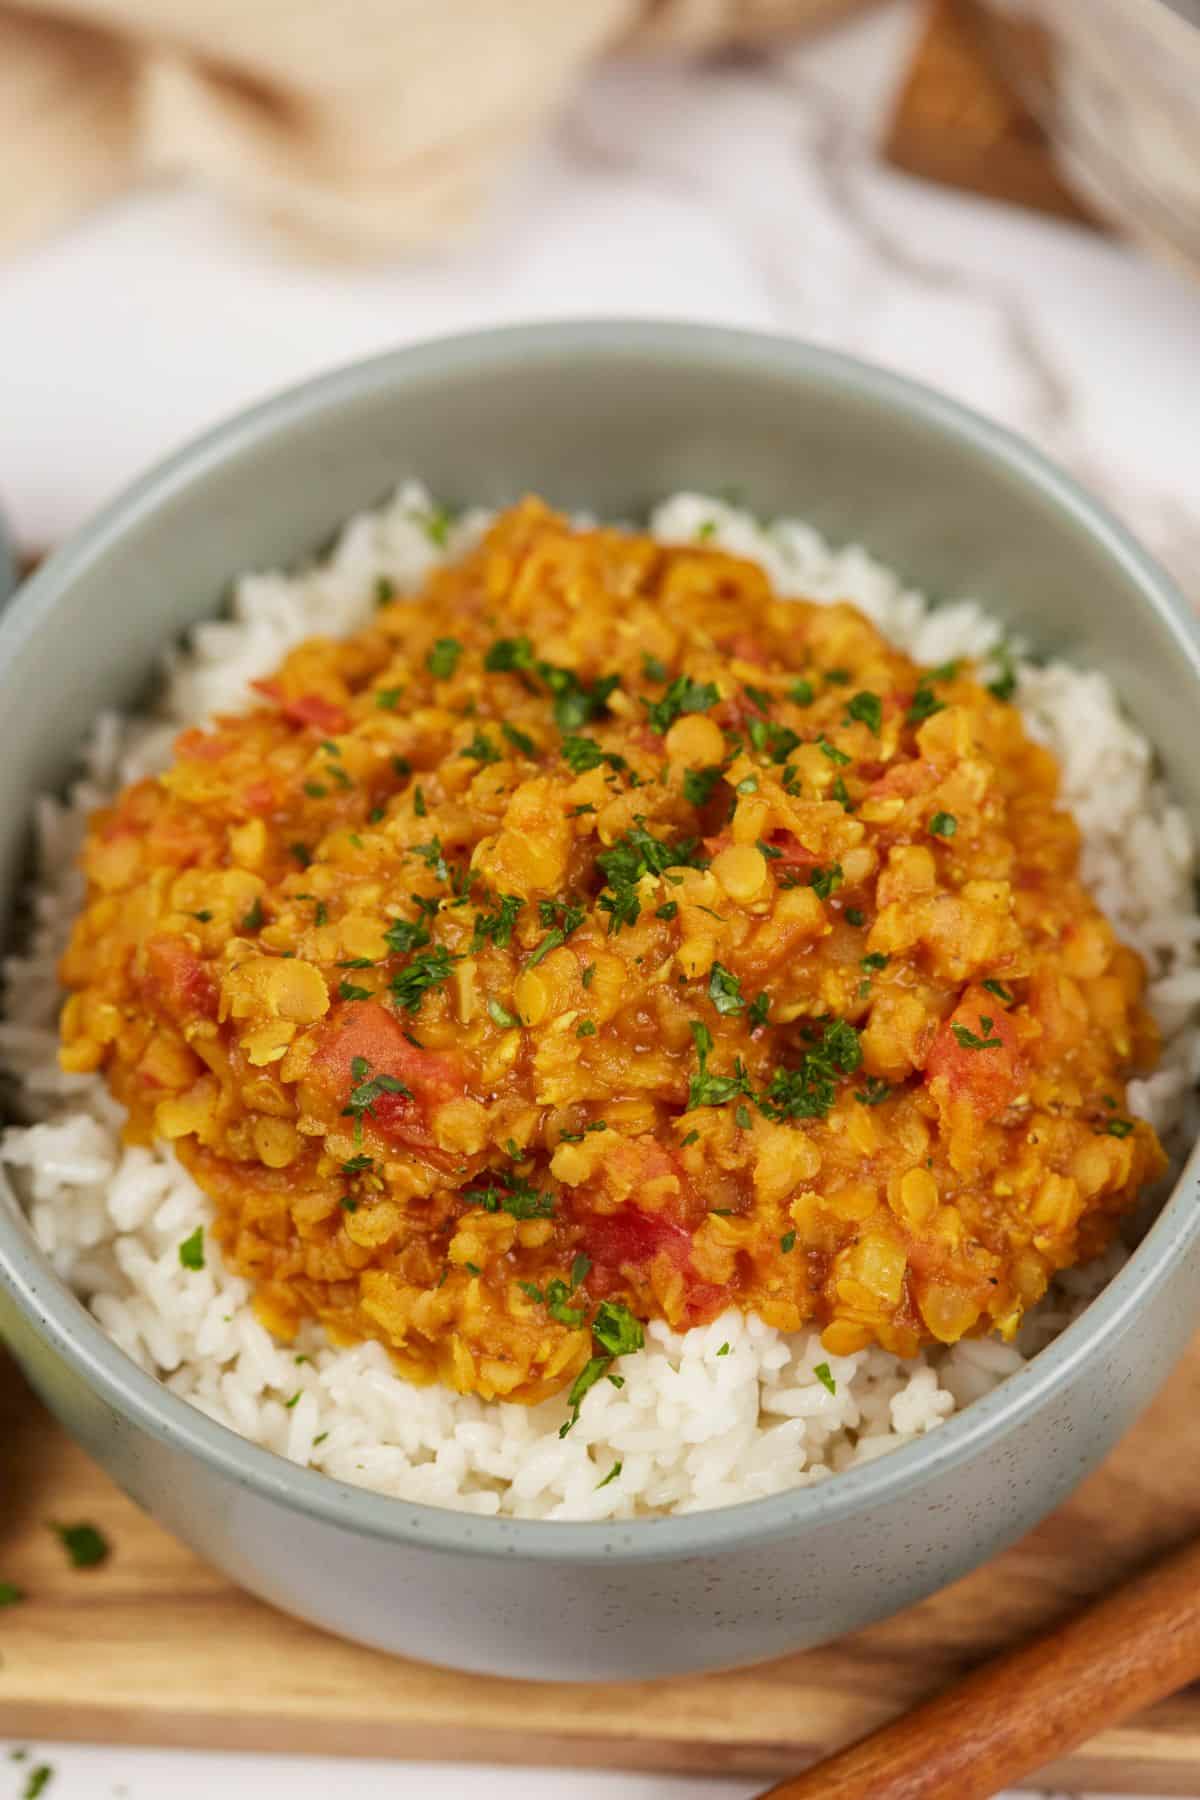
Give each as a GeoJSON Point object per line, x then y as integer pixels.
{"type": "Point", "coordinates": [155, 1648]}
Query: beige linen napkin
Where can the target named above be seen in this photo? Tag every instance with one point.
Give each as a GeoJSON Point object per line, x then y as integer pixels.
{"type": "Point", "coordinates": [361, 126]}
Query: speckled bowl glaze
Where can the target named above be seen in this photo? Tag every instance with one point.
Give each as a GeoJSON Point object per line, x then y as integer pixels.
{"type": "Point", "coordinates": [607, 417]}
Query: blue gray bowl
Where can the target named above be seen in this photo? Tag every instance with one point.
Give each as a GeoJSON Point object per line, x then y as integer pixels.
{"type": "Point", "coordinates": [606, 417]}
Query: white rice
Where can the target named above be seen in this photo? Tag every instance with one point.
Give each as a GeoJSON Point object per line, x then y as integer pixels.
{"type": "Point", "coordinates": [728, 1412]}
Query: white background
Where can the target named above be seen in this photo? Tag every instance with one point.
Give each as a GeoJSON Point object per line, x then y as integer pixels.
{"type": "Point", "coordinates": [745, 192]}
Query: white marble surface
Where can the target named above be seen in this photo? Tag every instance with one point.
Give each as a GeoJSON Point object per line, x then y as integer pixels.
{"type": "Point", "coordinates": [744, 192]}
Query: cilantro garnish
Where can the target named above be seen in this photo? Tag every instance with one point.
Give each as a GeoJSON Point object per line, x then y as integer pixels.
{"type": "Point", "coordinates": [943, 825]}
{"type": "Point", "coordinates": [611, 1476]}
{"type": "Point", "coordinates": [713, 1090]}
{"type": "Point", "coordinates": [584, 753]}
{"type": "Point", "coordinates": [500, 1015]}
{"type": "Point", "coordinates": [825, 882]}
{"type": "Point", "coordinates": [86, 1546]}
{"type": "Point", "coordinates": [924, 704]}
{"type": "Point", "coordinates": [725, 990]}
{"type": "Point", "coordinates": [497, 926]}
{"type": "Point", "coordinates": [428, 969]}
{"type": "Point", "coordinates": [1118, 1128]}
{"type": "Point", "coordinates": [809, 1091]}
{"type": "Point", "coordinates": [520, 740]}
{"type": "Point", "coordinates": [442, 660]}
{"type": "Point", "coordinates": [515, 1197]}
{"type": "Point", "coordinates": [787, 1242]}
{"type": "Point", "coordinates": [191, 1251]}
{"type": "Point", "coordinates": [481, 749]}
{"type": "Point", "coordinates": [1005, 684]}
{"type": "Point", "coordinates": [10, 1594]}
{"type": "Point", "coordinates": [387, 699]}
{"type": "Point", "coordinates": [1001, 992]}
{"type": "Point", "coordinates": [837, 757]}
{"type": "Point", "coordinates": [970, 1041]}
{"type": "Point", "coordinates": [654, 669]}
{"type": "Point", "coordinates": [824, 1375]}
{"type": "Point", "coordinates": [868, 710]}
{"type": "Point", "coordinates": [756, 1014]}
{"type": "Point", "coordinates": [802, 692]}
{"type": "Point", "coordinates": [348, 991]}
{"type": "Point", "coordinates": [405, 935]}
{"type": "Point", "coordinates": [682, 696]}
{"type": "Point", "coordinates": [698, 784]}
{"type": "Point", "coordinates": [635, 854]}
{"type": "Point", "coordinates": [872, 1092]}
{"type": "Point", "coordinates": [366, 1090]}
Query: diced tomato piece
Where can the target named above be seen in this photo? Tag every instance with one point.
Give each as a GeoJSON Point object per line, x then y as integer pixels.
{"type": "Point", "coordinates": [748, 649]}
{"type": "Point", "coordinates": [259, 797]}
{"type": "Point", "coordinates": [202, 746]}
{"type": "Point", "coordinates": [988, 1079]}
{"type": "Point", "coordinates": [792, 853]}
{"type": "Point", "coordinates": [177, 981]}
{"type": "Point", "coordinates": [903, 780]}
{"type": "Point", "coordinates": [364, 1028]}
{"type": "Point", "coordinates": [313, 711]}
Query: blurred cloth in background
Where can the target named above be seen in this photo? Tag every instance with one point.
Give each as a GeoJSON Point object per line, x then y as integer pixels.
{"type": "Point", "coordinates": [358, 126]}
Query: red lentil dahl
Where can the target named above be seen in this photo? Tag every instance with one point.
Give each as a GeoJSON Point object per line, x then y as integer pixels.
{"type": "Point", "coordinates": [598, 938]}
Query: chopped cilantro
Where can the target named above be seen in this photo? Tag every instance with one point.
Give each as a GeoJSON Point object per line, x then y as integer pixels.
{"type": "Point", "coordinates": [10, 1594]}
{"type": "Point", "coordinates": [838, 677]}
{"type": "Point", "coordinates": [924, 704]}
{"type": "Point", "coordinates": [1005, 684]}
{"type": "Point", "coordinates": [756, 1014]}
{"type": "Point", "coordinates": [481, 749]}
{"type": "Point", "coordinates": [611, 1476]}
{"type": "Point", "coordinates": [348, 991]}
{"type": "Point", "coordinates": [586, 1029]}
{"type": "Point", "coordinates": [667, 910]}
{"type": "Point", "coordinates": [616, 1330]}
{"type": "Point", "coordinates": [853, 916]}
{"type": "Point", "coordinates": [1118, 1128]}
{"type": "Point", "coordinates": [442, 660]}
{"type": "Point", "coordinates": [802, 692]}
{"type": "Point", "coordinates": [191, 1251]}
{"type": "Point", "coordinates": [836, 756]}
{"type": "Point", "coordinates": [497, 926]}
{"type": "Point", "coordinates": [427, 969]}
{"type": "Point", "coordinates": [588, 975]}
{"type": "Point", "coordinates": [970, 1041]}
{"type": "Point", "coordinates": [876, 960]}
{"type": "Point", "coordinates": [584, 753]}
{"type": "Point", "coordinates": [825, 882]}
{"type": "Point", "coordinates": [759, 696]}
{"type": "Point", "coordinates": [404, 936]}
{"type": "Point", "coordinates": [636, 854]}
{"type": "Point", "coordinates": [509, 654]}
{"type": "Point", "coordinates": [824, 1375]}
{"type": "Point", "coordinates": [787, 1242]}
{"type": "Point", "coordinates": [515, 1197]}
{"type": "Point", "coordinates": [203, 917]}
{"type": "Point", "coordinates": [86, 1547]}
{"type": "Point", "coordinates": [691, 1138]}
{"type": "Point", "coordinates": [654, 669]}
{"type": "Point", "coordinates": [725, 990]}
{"type": "Point", "coordinates": [357, 1165]}
{"type": "Point", "coordinates": [1001, 992]}
{"type": "Point", "coordinates": [500, 1015]}
{"type": "Point", "coordinates": [741, 1117]}
{"type": "Point", "coordinates": [809, 1091]}
{"type": "Point", "coordinates": [39, 1780]}
{"type": "Point", "coordinates": [387, 699]}
{"type": "Point", "coordinates": [868, 710]}
{"type": "Point", "coordinates": [698, 784]}
{"type": "Point", "coordinates": [943, 825]}
{"type": "Point", "coordinates": [302, 854]}
{"type": "Point", "coordinates": [557, 1295]}
{"type": "Point", "coordinates": [520, 740]}
{"type": "Point", "coordinates": [366, 1090]}
{"type": "Point", "coordinates": [682, 696]}
{"type": "Point", "coordinates": [713, 1090]}
{"type": "Point", "coordinates": [748, 785]}
{"type": "Point", "coordinates": [385, 590]}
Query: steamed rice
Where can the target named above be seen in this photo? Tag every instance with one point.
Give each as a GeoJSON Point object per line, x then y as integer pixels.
{"type": "Point", "coordinates": [730, 1411]}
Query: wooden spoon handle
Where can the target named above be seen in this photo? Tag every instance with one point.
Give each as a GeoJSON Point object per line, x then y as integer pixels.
{"type": "Point", "coordinates": [1018, 1712]}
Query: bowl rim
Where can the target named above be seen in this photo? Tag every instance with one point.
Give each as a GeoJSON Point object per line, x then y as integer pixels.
{"type": "Point", "coordinates": [65, 1327]}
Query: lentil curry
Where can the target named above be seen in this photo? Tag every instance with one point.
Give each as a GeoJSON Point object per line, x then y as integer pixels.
{"type": "Point", "coordinates": [597, 938]}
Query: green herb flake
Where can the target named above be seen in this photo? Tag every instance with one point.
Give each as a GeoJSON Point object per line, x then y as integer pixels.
{"type": "Point", "coordinates": [520, 740]}
{"type": "Point", "coordinates": [667, 910]}
{"type": "Point", "coordinates": [824, 1375]}
{"type": "Point", "coordinates": [203, 917]}
{"type": "Point", "coordinates": [876, 960]}
{"type": "Point", "coordinates": [809, 1091]}
{"type": "Point", "coordinates": [1118, 1128]}
{"type": "Point", "coordinates": [698, 784]}
{"type": "Point", "coordinates": [741, 1117]}
{"type": "Point", "coordinates": [10, 1594]}
{"type": "Point", "coordinates": [428, 969]}
{"type": "Point", "coordinates": [748, 785]}
{"type": "Point", "coordinates": [713, 1090]}
{"type": "Point", "coordinates": [787, 1242]}
{"type": "Point", "coordinates": [837, 757]}
{"type": "Point", "coordinates": [654, 669]}
{"type": "Point", "coordinates": [825, 882]}
{"type": "Point", "coordinates": [387, 699]}
{"type": "Point", "coordinates": [497, 927]}
{"type": "Point", "coordinates": [85, 1545]}
{"type": "Point", "coordinates": [802, 692]}
{"type": "Point", "coordinates": [348, 991]}
{"type": "Point", "coordinates": [385, 590]}
{"type": "Point", "coordinates": [366, 1089]}
{"type": "Point", "coordinates": [968, 1039]}
{"type": "Point", "coordinates": [943, 825]}
{"type": "Point", "coordinates": [442, 660]}
{"type": "Point", "coordinates": [1001, 992]}
{"type": "Point", "coordinates": [588, 975]}
{"type": "Point", "coordinates": [616, 1330]}
{"type": "Point", "coordinates": [725, 990]}
{"type": "Point", "coordinates": [302, 854]}
{"type": "Point", "coordinates": [724, 1350]}
{"type": "Point", "coordinates": [611, 1476]}
{"type": "Point", "coordinates": [481, 749]}
{"type": "Point", "coordinates": [39, 1780]}
{"type": "Point", "coordinates": [924, 704]}
{"type": "Point", "coordinates": [586, 1029]}
{"type": "Point", "coordinates": [1005, 684]}
{"type": "Point", "coordinates": [682, 696]}
{"type": "Point", "coordinates": [500, 1015]}
{"type": "Point", "coordinates": [867, 708]}
{"type": "Point", "coordinates": [191, 1251]}
{"type": "Point", "coordinates": [756, 1013]}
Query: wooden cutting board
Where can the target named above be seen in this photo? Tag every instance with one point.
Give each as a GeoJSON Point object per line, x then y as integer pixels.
{"type": "Point", "coordinates": [155, 1648]}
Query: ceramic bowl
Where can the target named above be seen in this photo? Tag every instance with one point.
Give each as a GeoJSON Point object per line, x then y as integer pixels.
{"type": "Point", "coordinates": [606, 417]}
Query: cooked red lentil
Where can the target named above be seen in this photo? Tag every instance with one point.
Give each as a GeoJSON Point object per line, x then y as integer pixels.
{"type": "Point", "coordinates": [598, 938]}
